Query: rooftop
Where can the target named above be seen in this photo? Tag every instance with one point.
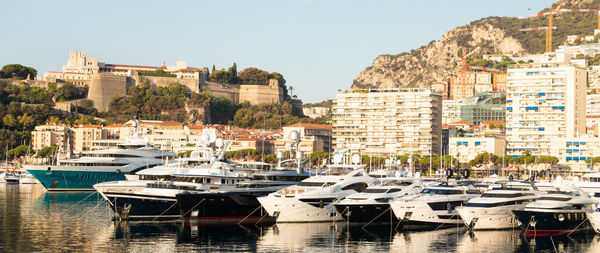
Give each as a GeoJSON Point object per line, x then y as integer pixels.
{"type": "Point", "coordinates": [308, 125]}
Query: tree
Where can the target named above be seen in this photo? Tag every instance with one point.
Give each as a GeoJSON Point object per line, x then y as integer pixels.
{"type": "Point", "coordinates": [253, 76]}
{"type": "Point", "coordinates": [17, 71]}
{"type": "Point", "coordinates": [278, 76]}
{"type": "Point", "coordinates": [26, 121]}
{"type": "Point", "coordinates": [47, 152]}
{"type": "Point", "coordinates": [272, 159]}
{"type": "Point", "coordinates": [291, 90]}
{"type": "Point", "coordinates": [18, 151]}
{"type": "Point", "coordinates": [9, 121]}
{"type": "Point", "coordinates": [317, 157]}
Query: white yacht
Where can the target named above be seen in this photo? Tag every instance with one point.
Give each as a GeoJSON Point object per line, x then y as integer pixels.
{"type": "Point", "coordinates": [493, 210]}
{"type": "Point", "coordinates": [434, 206]}
{"type": "Point", "coordinates": [313, 198]}
{"type": "Point", "coordinates": [594, 218]}
{"type": "Point", "coordinates": [369, 205]}
{"type": "Point", "coordinates": [27, 178]}
{"type": "Point", "coordinates": [100, 165]}
{"type": "Point", "coordinates": [153, 195]}
{"type": "Point", "coordinates": [556, 213]}
{"type": "Point", "coordinates": [590, 183]}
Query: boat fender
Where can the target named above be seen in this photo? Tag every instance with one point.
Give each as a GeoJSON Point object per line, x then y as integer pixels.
{"type": "Point", "coordinates": [466, 173]}
{"type": "Point", "coordinates": [449, 172]}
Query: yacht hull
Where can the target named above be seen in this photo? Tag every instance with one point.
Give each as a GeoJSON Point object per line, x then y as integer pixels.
{"type": "Point", "coordinates": [378, 213]}
{"type": "Point", "coordinates": [134, 206]}
{"type": "Point", "coordinates": [223, 208]}
{"type": "Point", "coordinates": [69, 180]}
{"type": "Point", "coordinates": [419, 214]}
{"type": "Point", "coordinates": [594, 219]}
{"type": "Point", "coordinates": [538, 223]}
{"type": "Point", "coordinates": [489, 218]}
{"type": "Point", "coordinates": [295, 210]}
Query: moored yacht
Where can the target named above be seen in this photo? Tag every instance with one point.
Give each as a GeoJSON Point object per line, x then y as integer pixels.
{"type": "Point", "coordinates": [369, 205]}
{"type": "Point", "coordinates": [434, 206]}
{"type": "Point", "coordinates": [80, 174]}
{"type": "Point", "coordinates": [313, 198]}
{"type": "Point", "coordinates": [590, 183]}
{"type": "Point", "coordinates": [556, 213]}
{"type": "Point", "coordinates": [594, 218]}
{"type": "Point", "coordinates": [493, 210]}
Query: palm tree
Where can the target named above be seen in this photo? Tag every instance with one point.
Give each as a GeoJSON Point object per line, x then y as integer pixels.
{"type": "Point", "coordinates": [291, 91]}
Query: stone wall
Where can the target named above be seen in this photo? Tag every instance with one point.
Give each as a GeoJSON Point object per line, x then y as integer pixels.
{"type": "Point", "coordinates": [159, 81]}
{"type": "Point", "coordinates": [228, 91]}
{"type": "Point", "coordinates": [262, 94]}
{"type": "Point", "coordinates": [104, 87]}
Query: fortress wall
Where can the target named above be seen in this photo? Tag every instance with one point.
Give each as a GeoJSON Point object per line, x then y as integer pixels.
{"type": "Point", "coordinates": [261, 94]}
{"type": "Point", "coordinates": [159, 81]}
{"type": "Point", "coordinates": [104, 87]}
{"type": "Point", "coordinates": [228, 91]}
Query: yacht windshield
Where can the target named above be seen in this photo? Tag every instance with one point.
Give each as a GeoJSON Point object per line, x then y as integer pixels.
{"type": "Point", "coordinates": [504, 195]}
{"type": "Point", "coordinates": [311, 184]}
{"type": "Point", "coordinates": [441, 191]}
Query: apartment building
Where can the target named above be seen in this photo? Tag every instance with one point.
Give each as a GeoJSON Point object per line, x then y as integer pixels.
{"type": "Point", "coordinates": [574, 152]}
{"type": "Point", "coordinates": [486, 106]}
{"type": "Point", "coordinates": [384, 122]}
{"type": "Point", "coordinates": [451, 111]}
{"type": "Point", "coordinates": [544, 101]}
{"type": "Point", "coordinates": [50, 134]}
{"type": "Point", "coordinates": [466, 149]}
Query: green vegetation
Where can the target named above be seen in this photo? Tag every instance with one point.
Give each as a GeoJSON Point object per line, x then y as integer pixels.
{"type": "Point", "coordinates": [271, 158]}
{"type": "Point", "coordinates": [243, 154]}
{"type": "Point", "coordinates": [47, 152]}
{"type": "Point", "coordinates": [477, 60]}
{"type": "Point", "coordinates": [17, 71]}
{"type": "Point", "coordinates": [164, 103]}
{"type": "Point", "coordinates": [68, 92]}
{"type": "Point", "coordinates": [269, 116]}
{"type": "Point", "coordinates": [18, 151]}
{"type": "Point", "coordinates": [158, 72]}
{"type": "Point", "coordinates": [246, 76]}
{"type": "Point", "coordinates": [328, 103]}
{"type": "Point", "coordinates": [22, 107]}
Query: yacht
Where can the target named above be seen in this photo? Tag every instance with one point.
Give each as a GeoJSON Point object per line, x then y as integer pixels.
{"type": "Point", "coordinates": [594, 218]}
{"type": "Point", "coordinates": [313, 198]}
{"type": "Point", "coordinates": [153, 195]}
{"type": "Point", "coordinates": [493, 210]}
{"type": "Point", "coordinates": [237, 205]}
{"type": "Point", "coordinates": [369, 205]}
{"type": "Point", "coordinates": [12, 178]}
{"type": "Point", "coordinates": [590, 183]}
{"type": "Point", "coordinates": [435, 206]}
{"type": "Point", "coordinates": [80, 174]}
{"type": "Point", "coordinates": [556, 213]}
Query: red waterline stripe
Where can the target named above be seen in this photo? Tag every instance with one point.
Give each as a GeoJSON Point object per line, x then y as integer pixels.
{"type": "Point", "coordinates": [549, 230]}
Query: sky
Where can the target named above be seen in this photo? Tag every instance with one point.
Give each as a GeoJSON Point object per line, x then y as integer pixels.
{"type": "Point", "coordinates": [319, 46]}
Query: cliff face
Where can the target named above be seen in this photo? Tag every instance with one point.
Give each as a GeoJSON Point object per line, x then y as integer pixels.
{"type": "Point", "coordinates": [425, 65]}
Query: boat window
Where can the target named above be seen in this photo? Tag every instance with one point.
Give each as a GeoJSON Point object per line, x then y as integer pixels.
{"type": "Point", "coordinates": [311, 184]}
{"type": "Point", "coordinates": [505, 195]}
{"type": "Point", "coordinates": [371, 190]}
{"type": "Point", "coordinates": [441, 191]}
{"type": "Point", "coordinates": [359, 187]}
{"type": "Point", "coordinates": [555, 198]}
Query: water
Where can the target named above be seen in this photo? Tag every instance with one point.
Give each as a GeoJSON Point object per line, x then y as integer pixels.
{"type": "Point", "coordinates": [32, 219]}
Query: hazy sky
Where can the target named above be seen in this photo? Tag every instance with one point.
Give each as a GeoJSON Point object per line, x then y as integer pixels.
{"type": "Point", "coordinates": [319, 46]}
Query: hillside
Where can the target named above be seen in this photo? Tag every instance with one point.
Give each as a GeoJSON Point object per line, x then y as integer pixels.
{"type": "Point", "coordinates": [494, 35]}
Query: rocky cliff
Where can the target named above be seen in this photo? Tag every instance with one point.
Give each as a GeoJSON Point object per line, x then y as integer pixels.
{"type": "Point", "coordinates": [425, 65]}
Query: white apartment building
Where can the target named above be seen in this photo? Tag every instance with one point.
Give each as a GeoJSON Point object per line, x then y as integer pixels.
{"type": "Point", "coordinates": [384, 122]}
{"type": "Point", "coordinates": [466, 149]}
{"type": "Point", "coordinates": [544, 101]}
{"type": "Point", "coordinates": [451, 111]}
{"type": "Point", "coordinates": [573, 152]}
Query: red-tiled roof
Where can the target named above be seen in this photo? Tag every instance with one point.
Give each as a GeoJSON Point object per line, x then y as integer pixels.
{"type": "Point", "coordinates": [131, 66]}
{"type": "Point", "coordinates": [116, 125]}
{"type": "Point", "coordinates": [309, 125]}
{"type": "Point", "coordinates": [88, 126]}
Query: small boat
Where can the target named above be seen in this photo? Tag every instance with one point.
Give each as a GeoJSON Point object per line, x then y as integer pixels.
{"type": "Point", "coordinates": [27, 178]}
{"type": "Point", "coordinates": [12, 179]}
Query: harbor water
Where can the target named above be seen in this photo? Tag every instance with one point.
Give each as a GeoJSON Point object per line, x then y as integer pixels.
{"type": "Point", "coordinates": [34, 220]}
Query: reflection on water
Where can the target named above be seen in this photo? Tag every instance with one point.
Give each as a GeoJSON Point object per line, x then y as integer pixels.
{"type": "Point", "coordinates": [33, 220]}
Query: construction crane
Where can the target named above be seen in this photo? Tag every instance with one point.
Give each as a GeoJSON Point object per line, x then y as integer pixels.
{"type": "Point", "coordinates": [463, 59]}
{"type": "Point", "coordinates": [548, 34]}
{"type": "Point", "coordinates": [550, 15]}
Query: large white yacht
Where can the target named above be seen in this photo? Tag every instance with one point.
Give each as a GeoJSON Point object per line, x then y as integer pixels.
{"type": "Point", "coordinates": [98, 166]}
{"type": "Point", "coordinates": [594, 218]}
{"type": "Point", "coordinates": [313, 198]}
{"type": "Point", "coordinates": [434, 206]}
{"type": "Point", "coordinates": [556, 213]}
{"type": "Point", "coordinates": [369, 205]}
{"type": "Point", "coordinates": [590, 183]}
{"type": "Point", "coordinates": [493, 210]}
{"type": "Point", "coordinates": [153, 195]}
